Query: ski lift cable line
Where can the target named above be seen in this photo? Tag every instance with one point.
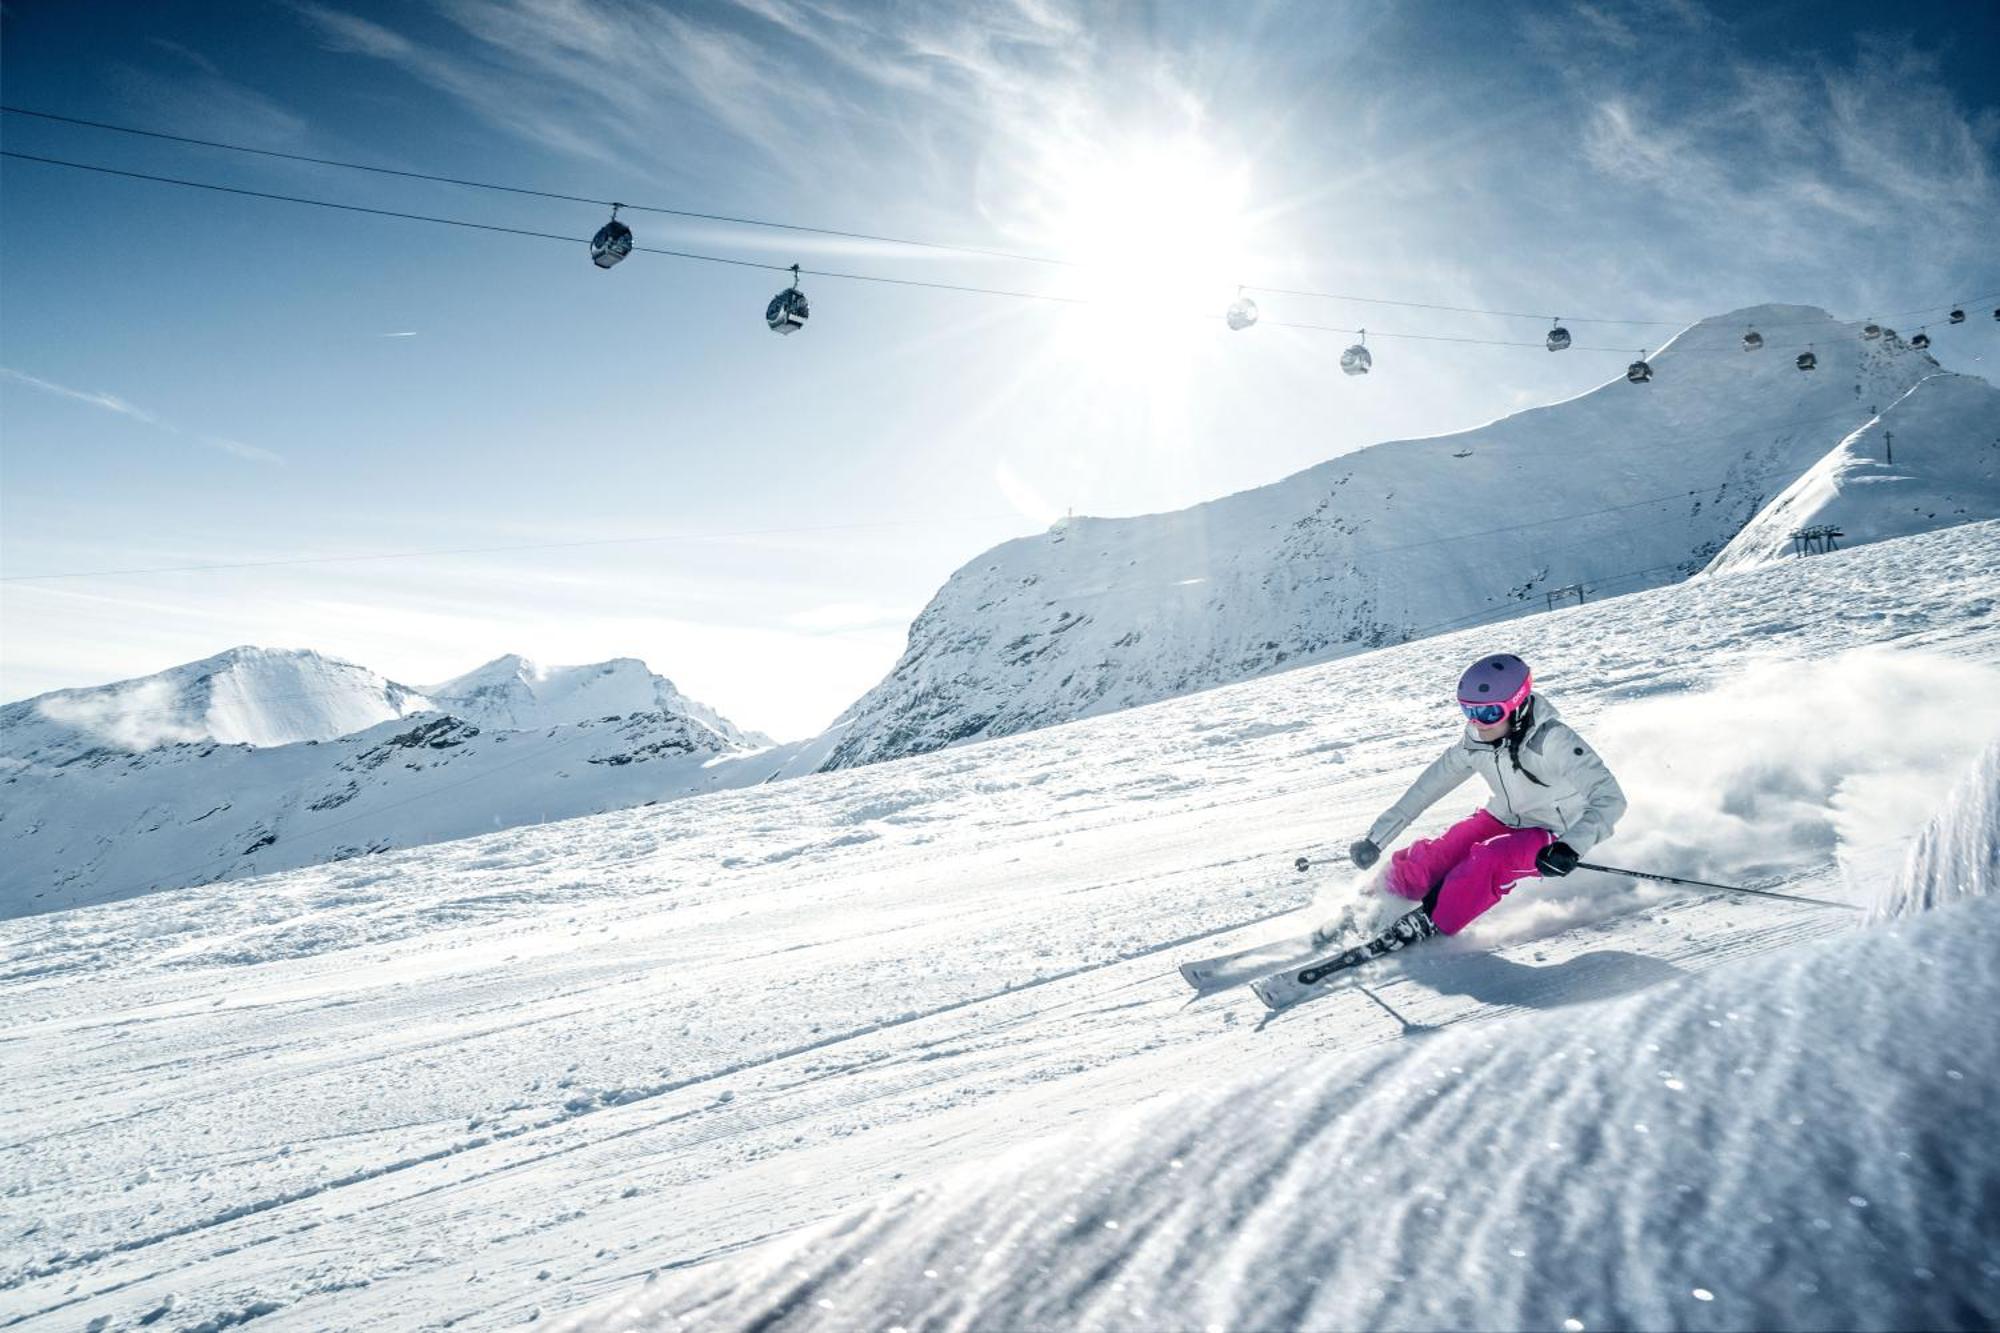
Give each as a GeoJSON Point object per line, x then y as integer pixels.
{"type": "Point", "coordinates": [1049, 297]}
{"type": "Point", "coordinates": [743, 221]}
{"type": "Point", "coordinates": [1046, 297]}
{"type": "Point", "coordinates": [550, 194]}
{"type": "Point", "coordinates": [838, 233]}
{"type": "Point", "coordinates": [1454, 309]}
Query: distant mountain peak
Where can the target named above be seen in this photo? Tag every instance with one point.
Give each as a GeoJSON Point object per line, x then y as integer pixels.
{"type": "Point", "coordinates": [245, 695]}
{"type": "Point", "coordinates": [514, 692]}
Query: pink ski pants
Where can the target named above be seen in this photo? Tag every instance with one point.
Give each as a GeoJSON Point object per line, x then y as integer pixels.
{"type": "Point", "coordinates": [1472, 864]}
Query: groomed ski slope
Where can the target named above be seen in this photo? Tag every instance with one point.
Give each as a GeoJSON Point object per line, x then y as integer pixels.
{"type": "Point", "coordinates": [1802, 1140]}
{"type": "Point", "coordinates": [499, 1078]}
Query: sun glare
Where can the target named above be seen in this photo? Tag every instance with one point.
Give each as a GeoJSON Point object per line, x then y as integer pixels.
{"type": "Point", "coordinates": [1157, 234]}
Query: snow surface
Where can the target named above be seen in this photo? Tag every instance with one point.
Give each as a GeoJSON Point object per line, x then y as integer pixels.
{"type": "Point", "coordinates": [1622, 488]}
{"type": "Point", "coordinates": [1799, 1141]}
{"type": "Point", "coordinates": [500, 1078]}
{"type": "Point", "coordinates": [1930, 459]}
{"type": "Point", "coordinates": [1958, 855]}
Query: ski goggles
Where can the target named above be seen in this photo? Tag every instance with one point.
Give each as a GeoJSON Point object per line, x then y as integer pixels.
{"type": "Point", "coordinates": [1484, 714]}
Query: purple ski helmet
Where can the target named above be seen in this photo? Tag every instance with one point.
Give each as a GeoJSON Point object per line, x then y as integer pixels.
{"type": "Point", "coordinates": [1494, 688]}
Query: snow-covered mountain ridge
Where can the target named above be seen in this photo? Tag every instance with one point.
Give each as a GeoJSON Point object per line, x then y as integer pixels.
{"type": "Point", "coordinates": [133, 787]}
{"type": "Point", "coordinates": [1931, 459]}
{"type": "Point", "coordinates": [109, 827]}
{"type": "Point", "coordinates": [1624, 487]}
{"type": "Point", "coordinates": [245, 696]}
{"type": "Point", "coordinates": [514, 694]}
{"type": "Point", "coordinates": [568, 1057]}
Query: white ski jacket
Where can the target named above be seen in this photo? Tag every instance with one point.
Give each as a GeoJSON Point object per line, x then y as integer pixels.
{"type": "Point", "coordinates": [1581, 801]}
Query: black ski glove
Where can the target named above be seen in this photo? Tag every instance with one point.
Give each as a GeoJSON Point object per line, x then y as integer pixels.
{"type": "Point", "coordinates": [1557, 859]}
{"type": "Point", "coordinates": [1302, 865]}
{"type": "Point", "coordinates": [1364, 854]}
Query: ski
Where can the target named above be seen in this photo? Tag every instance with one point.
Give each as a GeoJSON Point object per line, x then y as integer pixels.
{"type": "Point", "coordinates": [1230, 968]}
{"type": "Point", "coordinates": [1282, 989]}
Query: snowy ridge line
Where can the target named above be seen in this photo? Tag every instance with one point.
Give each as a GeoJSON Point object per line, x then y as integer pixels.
{"type": "Point", "coordinates": [1449, 538]}
{"type": "Point", "coordinates": [272, 696]}
{"type": "Point", "coordinates": [1581, 513]}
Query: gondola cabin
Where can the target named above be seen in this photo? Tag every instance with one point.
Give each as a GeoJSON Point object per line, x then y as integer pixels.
{"type": "Point", "coordinates": [612, 243]}
{"type": "Point", "coordinates": [788, 311]}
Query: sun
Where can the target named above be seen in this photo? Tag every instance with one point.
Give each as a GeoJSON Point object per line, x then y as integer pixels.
{"type": "Point", "coordinates": [1155, 234]}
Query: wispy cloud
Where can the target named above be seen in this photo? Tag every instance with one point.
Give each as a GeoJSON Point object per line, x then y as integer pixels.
{"type": "Point", "coordinates": [1812, 166]}
{"type": "Point", "coordinates": [188, 54]}
{"type": "Point", "coordinates": [109, 402]}
{"type": "Point", "coordinates": [113, 403]}
{"type": "Point", "coordinates": [251, 452]}
{"type": "Point", "coordinates": [403, 333]}
{"type": "Point", "coordinates": [202, 100]}
{"type": "Point", "coordinates": [814, 89]}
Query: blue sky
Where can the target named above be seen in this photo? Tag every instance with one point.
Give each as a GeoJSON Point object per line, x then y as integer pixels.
{"type": "Point", "coordinates": [187, 378]}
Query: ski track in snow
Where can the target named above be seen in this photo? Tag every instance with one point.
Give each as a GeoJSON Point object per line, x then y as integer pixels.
{"type": "Point", "coordinates": [464, 1083]}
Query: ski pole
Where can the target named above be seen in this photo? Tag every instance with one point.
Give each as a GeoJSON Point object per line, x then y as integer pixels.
{"type": "Point", "coordinates": [1726, 888]}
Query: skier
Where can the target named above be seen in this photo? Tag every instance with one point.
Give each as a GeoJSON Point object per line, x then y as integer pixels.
{"type": "Point", "coordinates": [1553, 800]}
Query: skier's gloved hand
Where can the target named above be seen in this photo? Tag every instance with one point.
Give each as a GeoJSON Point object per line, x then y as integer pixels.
{"type": "Point", "coordinates": [1557, 859]}
{"type": "Point", "coordinates": [1302, 865]}
{"type": "Point", "coordinates": [1364, 854]}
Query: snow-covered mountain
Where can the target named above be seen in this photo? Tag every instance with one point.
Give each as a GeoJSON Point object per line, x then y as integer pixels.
{"type": "Point", "coordinates": [245, 696]}
{"type": "Point", "coordinates": [107, 826]}
{"type": "Point", "coordinates": [1929, 460]}
{"type": "Point", "coordinates": [487, 1083]}
{"type": "Point", "coordinates": [1622, 488]}
{"type": "Point", "coordinates": [246, 763]}
{"type": "Point", "coordinates": [513, 693]}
